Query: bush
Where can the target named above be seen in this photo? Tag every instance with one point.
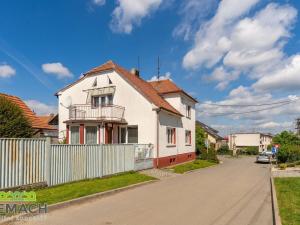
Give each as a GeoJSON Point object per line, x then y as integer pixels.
{"type": "Point", "coordinates": [13, 123]}
{"type": "Point", "coordinates": [288, 153]}
{"type": "Point", "coordinates": [293, 164]}
{"type": "Point", "coordinates": [250, 150]}
{"type": "Point", "coordinates": [210, 155]}
{"type": "Point", "coordinates": [224, 150]}
{"type": "Point", "coordinates": [282, 166]}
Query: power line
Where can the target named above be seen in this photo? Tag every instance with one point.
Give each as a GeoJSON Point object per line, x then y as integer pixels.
{"type": "Point", "coordinates": [248, 105]}
{"type": "Point", "coordinates": [258, 110]}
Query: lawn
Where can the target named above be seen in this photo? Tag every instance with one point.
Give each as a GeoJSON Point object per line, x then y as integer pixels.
{"type": "Point", "coordinates": [288, 196]}
{"type": "Point", "coordinates": [197, 164]}
{"type": "Point", "coordinates": [74, 190]}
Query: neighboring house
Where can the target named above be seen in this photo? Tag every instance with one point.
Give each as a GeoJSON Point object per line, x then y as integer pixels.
{"type": "Point", "coordinates": [41, 127]}
{"type": "Point", "coordinates": [213, 138]}
{"type": "Point", "coordinates": [242, 140]}
{"type": "Point", "coordinates": [51, 120]}
{"type": "Point", "coordinates": [109, 105]}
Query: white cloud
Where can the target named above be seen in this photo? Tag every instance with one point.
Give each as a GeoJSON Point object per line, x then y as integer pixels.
{"type": "Point", "coordinates": [6, 71]}
{"type": "Point", "coordinates": [223, 77]}
{"type": "Point", "coordinates": [211, 42]}
{"type": "Point", "coordinates": [57, 69]}
{"type": "Point", "coordinates": [99, 2]}
{"type": "Point", "coordinates": [286, 78]}
{"type": "Point", "coordinates": [41, 108]}
{"type": "Point", "coordinates": [252, 45]}
{"type": "Point", "coordinates": [192, 13]}
{"type": "Point", "coordinates": [167, 76]}
{"type": "Point", "coordinates": [129, 13]}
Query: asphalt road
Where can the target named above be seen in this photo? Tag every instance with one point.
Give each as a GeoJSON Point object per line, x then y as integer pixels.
{"type": "Point", "coordinates": [236, 192]}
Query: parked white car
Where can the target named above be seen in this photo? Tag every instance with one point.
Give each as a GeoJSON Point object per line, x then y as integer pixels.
{"type": "Point", "coordinates": [263, 158]}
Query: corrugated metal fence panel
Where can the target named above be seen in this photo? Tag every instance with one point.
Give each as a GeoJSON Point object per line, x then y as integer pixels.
{"type": "Point", "coordinates": [29, 161]}
{"type": "Point", "coordinates": [116, 159]}
{"type": "Point", "coordinates": [22, 161]}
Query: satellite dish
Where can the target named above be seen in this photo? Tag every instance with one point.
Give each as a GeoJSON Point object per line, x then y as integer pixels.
{"type": "Point", "coordinates": [68, 101]}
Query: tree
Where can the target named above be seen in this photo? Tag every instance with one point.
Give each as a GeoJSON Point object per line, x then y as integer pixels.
{"type": "Point", "coordinates": [13, 123]}
{"type": "Point", "coordinates": [200, 139]}
{"type": "Point", "coordinates": [286, 138]}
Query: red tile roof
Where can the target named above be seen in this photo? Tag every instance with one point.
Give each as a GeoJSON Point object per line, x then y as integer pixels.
{"type": "Point", "coordinates": [167, 87]}
{"type": "Point", "coordinates": [33, 119]}
{"type": "Point", "coordinates": [138, 83]}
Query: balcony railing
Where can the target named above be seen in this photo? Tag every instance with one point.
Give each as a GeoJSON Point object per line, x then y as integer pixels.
{"type": "Point", "coordinates": [103, 112]}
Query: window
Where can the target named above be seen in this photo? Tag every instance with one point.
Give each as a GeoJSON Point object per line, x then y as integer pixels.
{"type": "Point", "coordinates": [171, 136]}
{"type": "Point", "coordinates": [188, 111]}
{"type": "Point", "coordinates": [188, 137]}
{"type": "Point", "coordinates": [132, 134]}
{"type": "Point", "coordinates": [95, 101]}
{"type": "Point", "coordinates": [74, 135]}
{"type": "Point", "coordinates": [123, 135]}
{"type": "Point", "coordinates": [102, 100]}
{"type": "Point", "coordinates": [110, 99]}
{"type": "Point", "coordinates": [91, 135]}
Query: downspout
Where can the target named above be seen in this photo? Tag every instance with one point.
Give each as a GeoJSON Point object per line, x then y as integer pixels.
{"type": "Point", "coordinates": [157, 137]}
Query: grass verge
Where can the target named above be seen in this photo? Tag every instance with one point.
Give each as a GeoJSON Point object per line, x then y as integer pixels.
{"type": "Point", "coordinates": [197, 164]}
{"type": "Point", "coordinates": [74, 190]}
{"type": "Point", "coordinates": [288, 196]}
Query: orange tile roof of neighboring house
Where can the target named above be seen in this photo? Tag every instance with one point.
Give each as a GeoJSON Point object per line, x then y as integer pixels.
{"type": "Point", "coordinates": [167, 87]}
{"type": "Point", "coordinates": [46, 119]}
{"type": "Point", "coordinates": [33, 119]}
{"type": "Point", "coordinates": [142, 86]}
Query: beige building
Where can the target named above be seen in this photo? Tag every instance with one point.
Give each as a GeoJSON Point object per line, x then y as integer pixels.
{"type": "Point", "coordinates": [213, 138]}
{"type": "Point", "coordinates": [242, 140]}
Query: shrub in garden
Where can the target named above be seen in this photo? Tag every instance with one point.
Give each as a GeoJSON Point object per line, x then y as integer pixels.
{"type": "Point", "coordinates": [224, 150]}
{"type": "Point", "coordinates": [250, 150]}
{"type": "Point", "coordinates": [210, 155]}
{"type": "Point", "coordinates": [282, 166]}
{"type": "Point", "coordinates": [288, 153]}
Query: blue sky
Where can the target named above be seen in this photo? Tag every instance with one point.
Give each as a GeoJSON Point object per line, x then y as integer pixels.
{"type": "Point", "coordinates": [229, 52]}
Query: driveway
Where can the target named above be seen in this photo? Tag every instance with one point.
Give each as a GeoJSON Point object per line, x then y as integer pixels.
{"type": "Point", "coordinates": [236, 192]}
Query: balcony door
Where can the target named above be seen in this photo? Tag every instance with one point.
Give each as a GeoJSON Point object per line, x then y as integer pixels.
{"type": "Point", "coordinates": [108, 134]}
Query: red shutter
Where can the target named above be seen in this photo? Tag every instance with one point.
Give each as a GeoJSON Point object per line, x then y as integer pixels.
{"type": "Point", "coordinates": [174, 135]}
{"type": "Point", "coordinates": [81, 134]}
{"type": "Point", "coordinates": [68, 134]}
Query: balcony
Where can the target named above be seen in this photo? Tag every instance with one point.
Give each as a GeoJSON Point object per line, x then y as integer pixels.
{"type": "Point", "coordinates": [101, 113]}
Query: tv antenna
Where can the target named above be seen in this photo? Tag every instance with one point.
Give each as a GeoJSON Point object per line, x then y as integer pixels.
{"type": "Point", "coordinates": [158, 68]}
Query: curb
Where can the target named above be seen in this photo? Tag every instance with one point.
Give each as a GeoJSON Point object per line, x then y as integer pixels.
{"type": "Point", "coordinates": [275, 209]}
{"type": "Point", "coordinates": [77, 201]}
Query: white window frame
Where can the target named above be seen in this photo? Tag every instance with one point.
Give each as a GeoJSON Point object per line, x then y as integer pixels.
{"type": "Point", "coordinates": [190, 137]}
{"type": "Point", "coordinates": [188, 111]}
{"type": "Point", "coordinates": [173, 136]}
{"type": "Point", "coordinates": [133, 126]}
{"type": "Point", "coordinates": [70, 132]}
{"type": "Point", "coordinates": [126, 134]}
{"type": "Point", "coordinates": [97, 135]}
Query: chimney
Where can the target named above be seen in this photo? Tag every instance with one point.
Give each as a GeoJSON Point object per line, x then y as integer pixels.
{"type": "Point", "coordinates": [135, 72]}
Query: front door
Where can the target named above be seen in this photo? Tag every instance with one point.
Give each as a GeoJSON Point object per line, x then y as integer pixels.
{"type": "Point", "coordinates": [108, 134]}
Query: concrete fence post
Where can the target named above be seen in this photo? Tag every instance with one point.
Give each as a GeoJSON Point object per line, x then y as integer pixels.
{"type": "Point", "coordinates": [48, 160]}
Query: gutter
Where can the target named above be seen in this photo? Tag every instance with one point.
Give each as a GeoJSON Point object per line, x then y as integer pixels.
{"type": "Point", "coordinates": [157, 136]}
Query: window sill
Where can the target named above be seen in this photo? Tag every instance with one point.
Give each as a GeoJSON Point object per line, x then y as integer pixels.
{"type": "Point", "coordinates": [188, 145]}
{"type": "Point", "coordinates": [171, 145]}
{"type": "Point", "coordinates": [188, 117]}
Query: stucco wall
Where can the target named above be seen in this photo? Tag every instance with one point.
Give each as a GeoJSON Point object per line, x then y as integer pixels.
{"type": "Point", "coordinates": [180, 123]}
{"type": "Point", "coordinates": [138, 110]}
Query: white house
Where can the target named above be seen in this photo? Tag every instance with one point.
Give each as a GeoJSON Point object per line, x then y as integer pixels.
{"type": "Point", "coordinates": [241, 140]}
{"type": "Point", "coordinates": [109, 104]}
